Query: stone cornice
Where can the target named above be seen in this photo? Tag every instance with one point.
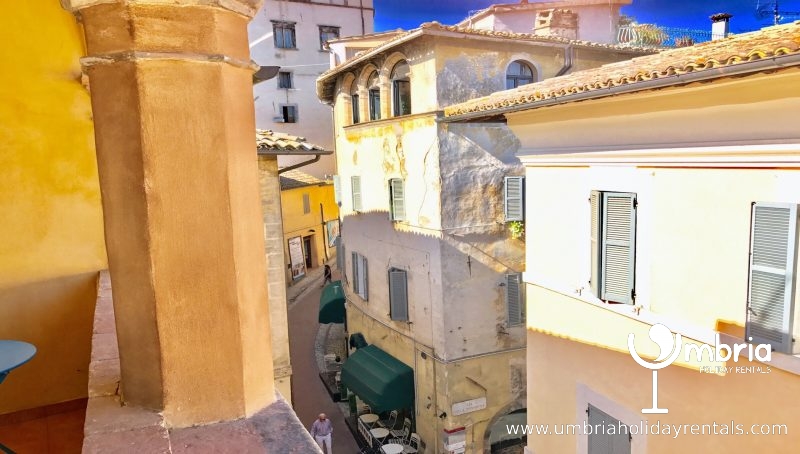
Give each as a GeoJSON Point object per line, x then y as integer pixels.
{"type": "Point", "coordinates": [95, 60]}
{"type": "Point", "coordinates": [247, 8]}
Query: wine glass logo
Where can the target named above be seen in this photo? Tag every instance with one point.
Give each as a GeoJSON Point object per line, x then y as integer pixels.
{"type": "Point", "coordinates": [669, 347]}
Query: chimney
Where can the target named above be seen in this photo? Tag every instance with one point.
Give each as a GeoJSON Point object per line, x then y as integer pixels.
{"type": "Point", "coordinates": [556, 22]}
{"type": "Point", "coordinates": [720, 26]}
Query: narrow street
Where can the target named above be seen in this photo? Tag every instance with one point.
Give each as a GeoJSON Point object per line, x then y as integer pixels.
{"type": "Point", "coordinates": [310, 398]}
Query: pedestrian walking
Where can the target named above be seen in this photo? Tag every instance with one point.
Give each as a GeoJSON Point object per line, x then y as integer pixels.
{"type": "Point", "coordinates": [321, 430]}
{"type": "Point", "coordinates": [328, 275]}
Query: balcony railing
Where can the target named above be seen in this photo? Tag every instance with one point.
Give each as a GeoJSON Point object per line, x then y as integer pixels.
{"type": "Point", "coordinates": [651, 35]}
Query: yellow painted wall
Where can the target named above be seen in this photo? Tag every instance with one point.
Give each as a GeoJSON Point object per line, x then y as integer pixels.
{"type": "Point", "coordinates": [298, 223]}
{"type": "Point", "coordinates": [51, 233]}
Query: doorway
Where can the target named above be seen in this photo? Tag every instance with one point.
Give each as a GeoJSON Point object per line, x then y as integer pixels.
{"type": "Point", "coordinates": [307, 250]}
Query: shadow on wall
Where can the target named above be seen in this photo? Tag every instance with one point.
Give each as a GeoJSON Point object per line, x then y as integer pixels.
{"type": "Point", "coordinates": [56, 316]}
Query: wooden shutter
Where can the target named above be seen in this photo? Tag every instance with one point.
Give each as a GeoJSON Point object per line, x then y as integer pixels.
{"type": "Point", "coordinates": [398, 294]}
{"type": "Point", "coordinates": [398, 201]}
{"type": "Point", "coordinates": [356, 188]}
{"type": "Point", "coordinates": [337, 190]}
{"type": "Point", "coordinates": [514, 303]}
{"type": "Point", "coordinates": [618, 246]}
{"type": "Point", "coordinates": [306, 204]}
{"type": "Point", "coordinates": [356, 275]}
{"type": "Point", "coordinates": [514, 187]}
{"type": "Point", "coordinates": [594, 252]}
{"type": "Point", "coordinates": [601, 441]}
{"type": "Point", "coordinates": [770, 294]}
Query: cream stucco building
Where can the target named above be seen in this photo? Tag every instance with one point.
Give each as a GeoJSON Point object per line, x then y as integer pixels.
{"type": "Point", "coordinates": [293, 34]}
{"type": "Point", "coordinates": [431, 268]}
{"type": "Point", "coordinates": [675, 205]}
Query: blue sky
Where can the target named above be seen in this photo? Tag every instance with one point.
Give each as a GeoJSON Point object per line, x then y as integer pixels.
{"type": "Point", "coordinates": [407, 14]}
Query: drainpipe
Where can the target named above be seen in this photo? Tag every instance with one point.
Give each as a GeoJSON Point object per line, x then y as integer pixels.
{"type": "Point", "coordinates": [299, 164]}
{"type": "Point", "coordinates": [569, 56]}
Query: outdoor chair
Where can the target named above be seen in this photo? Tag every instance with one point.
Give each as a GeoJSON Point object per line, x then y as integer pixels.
{"type": "Point", "coordinates": [391, 422]}
{"type": "Point", "coordinates": [403, 433]}
{"type": "Point", "coordinates": [413, 445]}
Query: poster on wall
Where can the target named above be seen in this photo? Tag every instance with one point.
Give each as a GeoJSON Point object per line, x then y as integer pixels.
{"type": "Point", "coordinates": [296, 257]}
{"type": "Point", "coordinates": [333, 232]}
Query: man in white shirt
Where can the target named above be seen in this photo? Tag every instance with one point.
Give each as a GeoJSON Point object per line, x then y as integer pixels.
{"type": "Point", "coordinates": [321, 430]}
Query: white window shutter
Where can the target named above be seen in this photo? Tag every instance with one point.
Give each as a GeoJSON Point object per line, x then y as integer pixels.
{"type": "Point", "coordinates": [618, 245]}
{"type": "Point", "coordinates": [596, 225]}
{"type": "Point", "coordinates": [772, 275]}
{"type": "Point", "coordinates": [337, 190]}
{"type": "Point", "coordinates": [398, 294]}
{"type": "Point", "coordinates": [355, 182]}
{"type": "Point", "coordinates": [398, 201]}
{"type": "Point", "coordinates": [600, 441]}
{"type": "Point", "coordinates": [514, 302]}
{"type": "Point", "coordinates": [514, 187]}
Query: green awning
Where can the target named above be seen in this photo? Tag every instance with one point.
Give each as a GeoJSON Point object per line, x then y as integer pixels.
{"type": "Point", "coordinates": [331, 303]}
{"type": "Point", "coordinates": [379, 379]}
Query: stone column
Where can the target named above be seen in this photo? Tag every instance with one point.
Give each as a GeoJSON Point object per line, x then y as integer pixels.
{"type": "Point", "coordinates": [174, 123]}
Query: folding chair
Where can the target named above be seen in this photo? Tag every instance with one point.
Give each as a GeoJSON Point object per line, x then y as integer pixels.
{"type": "Point", "coordinates": [404, 432]}
{"type": "Point", "coordinates": [391, 422]}
{"type": "Point", "coordinates": [413, 445]}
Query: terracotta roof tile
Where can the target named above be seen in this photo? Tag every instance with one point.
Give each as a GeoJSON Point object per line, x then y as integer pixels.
{"type": "Point", "coordinates": [770, 42]}
{"type": "Point", "coordinates": [267, 140]}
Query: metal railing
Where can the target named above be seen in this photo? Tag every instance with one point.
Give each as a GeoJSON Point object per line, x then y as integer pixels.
{"type": "Point", "coordinates": [651, 35]}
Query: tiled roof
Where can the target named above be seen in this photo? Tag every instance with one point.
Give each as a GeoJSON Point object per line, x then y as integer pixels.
{"type": "Point", "coordinates": [768, 43]}
{"type": "Point", "coordinates": [297, 179]}
{"type": "Point", "coordinates": [536, 6]}
{"type": "Point", "coordinates": [326, 80]}
{"type": "Point", "coordinates": [267, 140]}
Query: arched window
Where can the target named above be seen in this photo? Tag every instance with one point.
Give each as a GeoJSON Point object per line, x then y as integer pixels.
{"type": "Point", "coordinates": [401, 89]}
{"type": "Point", "coordinates": [354, 102]}
{"type": "Point", "coordinates": [374, 96]}
{"type": "Point", "coordinates": [519, 73]}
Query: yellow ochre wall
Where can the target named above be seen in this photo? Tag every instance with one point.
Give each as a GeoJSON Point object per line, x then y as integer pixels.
{"type": "Point", "coordinates": [297, 223]}
{"type": "Point", "coordinates": [51, 233]}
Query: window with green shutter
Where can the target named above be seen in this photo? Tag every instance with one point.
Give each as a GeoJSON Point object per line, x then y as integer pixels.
{"type": "Point", "coordinates": [306, 204]}
{"type": "Point", "coordinates": [398, 294]}
{"type": "Point", "coordinates": [515, 303]}
{"type": "Point", "coordinates": [608, 435]}
{"type": "Point", "coordinates": [613, 246]}
{"type": "Point", "coordinates": [337, 190]}
{"type": "Point", "coordinates": [355, 185]}
{"type": "Point", "coordinates": [360, 276]}
{"type": "Point", "coordinates": [770, 295]}
{"type": "Point", "coordinates": [397, 199]}
{"type": "Point", "coordinates": [513, 198]}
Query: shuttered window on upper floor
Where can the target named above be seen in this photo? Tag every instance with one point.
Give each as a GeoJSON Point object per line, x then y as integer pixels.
{"type": "Point", "coordinates": [772, 270]}
{"type": "Point", "coordinates": [398, 294]}
{"type": "Point", "coordinates": [515, 301]}
{"type": "Point", "coordinates": [613, 246]}
{"type": "Point", "coordinates": [608, 435]}
{"type": "Point", "coordinates": [360, 276]}
{"type": "Point", "coordinates": [513, 191]}
{"type": "Point", "coordinates": [355, 187]}
{"type": "Point", "coordinates": [306, 204]}
{"type": "Point", "coordinates": [397, 199]}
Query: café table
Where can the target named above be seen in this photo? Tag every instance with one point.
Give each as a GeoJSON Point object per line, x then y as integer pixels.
{"type": "Point", "coordinates": [392, 448]}
{"type": "Point", "coordinates": [379, 433]}
{"type": "Point", "coordinates": [14, 354]}
{"type": "Point", "coordinates": [369, 419]}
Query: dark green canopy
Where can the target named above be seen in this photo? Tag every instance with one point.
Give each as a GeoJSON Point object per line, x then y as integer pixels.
{"type": "Point", "coordinates": [379, 379]}
{"type": "Point", "coordinates": [331, 303]}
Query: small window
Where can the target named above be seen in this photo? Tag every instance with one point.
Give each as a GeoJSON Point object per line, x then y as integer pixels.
{"type": "Point", "coordinates": [519, 73]}
{"type": "Point", "coordinates": [398, 294]}
{"type": "Point", "coordinates": [401, 89]}
{"type": "Point", "coordinates": [327, 33]}
{"type": "Point", "coordinates": [306, 204]}
{"type": "Point", "coordinates": [354, 105]}
{"type": "Point", "coordinates": [608, 435]}
{"type": "Point", "coordinates": [613, 246]}
{"type": "Point", "coordinates": [288, 114]}
{"type": "Point", "coordinates": [514, 207]}
{"type": "Point", "coordinates": [515, 303]}
{"type": "Point", "coordinates": [283, 33]}
{"type": "Point", "coordinates": [285, 80]}
{"type": "Point", "coordinates": [772, 271]}
{"type": "Point", "coordinates": [355, 184]}
{"type": "Point", "coordinates": [374, 97]}
{"type": "Point", "coordinates": [360, 276]}
{"type": "Point", "coordinates": [397, 199]}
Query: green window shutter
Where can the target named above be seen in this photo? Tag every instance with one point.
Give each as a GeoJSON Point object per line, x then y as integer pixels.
{"type": "Point", "coordinates": [340, 254]}
{"type": "Point", "coordinates": [596, 225]}
{"type": "Point", "coordinates": [398, 294]}
{"type": "Point", "coordinates": [365, 279]}
{"type": "Point", "coordinates": [514, 209]}
{"type": "Point", "coordinates": [514, 302]}
{"type": "Point", "coordinates": [618, 246]}
{"type": "Point", "coordinates": [398, 201]}
{"type": "Point", "coordinates": [770, 294]}
{"type": "Point", "coordinates": [356, 275]}
{"type": "Point", "coordinates": [602, 442]}
{"type": "Point", "coordinates": [337, 190]}
{"type": "Point", "coordinates": [355, 182]}
{"type": "Point", "coordinates": [306, 204]}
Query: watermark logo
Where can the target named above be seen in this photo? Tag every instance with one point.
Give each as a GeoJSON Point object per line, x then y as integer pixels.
{"type": "Point", "coordinates": [670, 348]}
